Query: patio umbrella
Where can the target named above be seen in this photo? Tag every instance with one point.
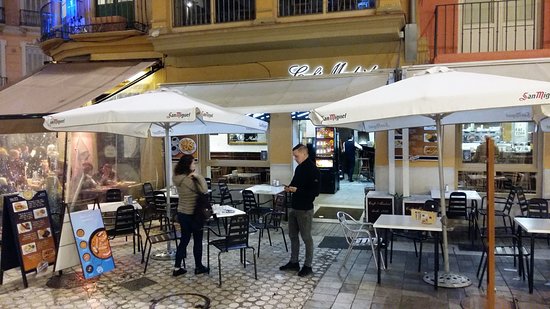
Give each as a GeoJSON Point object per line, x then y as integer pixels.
{"type": "Point", "coordinates": [438, 96]}
{"type": "Point", "coordinates": [162, 113]}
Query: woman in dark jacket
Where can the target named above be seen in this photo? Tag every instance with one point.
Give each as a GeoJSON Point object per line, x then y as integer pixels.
{"type": "Point", "coordinates": [189, 185]}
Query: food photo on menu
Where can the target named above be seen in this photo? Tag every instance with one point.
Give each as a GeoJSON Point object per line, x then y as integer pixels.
{"type": "Point", "coordinates": [28, 248]}
{"type": "Point", "coordinates": [20, 206]}
{"type": "Point", "coordinates": [44, 233]}
{"type": "Point", "coordinates": [24, 227]}
{"type": "Point", "coordinates": [40, 213]}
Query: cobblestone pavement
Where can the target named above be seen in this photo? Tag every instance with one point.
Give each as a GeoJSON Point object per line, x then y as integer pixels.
{"type": "Point", "coordinates": [331, 286]}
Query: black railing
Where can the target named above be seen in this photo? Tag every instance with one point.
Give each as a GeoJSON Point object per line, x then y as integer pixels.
{"type": "Point", "coordinates": [305, 7]}
{"type": "Point", "coordinates": [128, 15]}
{"type": "Point", "coordinates": [190, 12]}
{"type": "Point", "coordinates": [29, 18]}
{"type": "Point", "coordinates": [2, 15]}
{"type": "Point", "coordinates": [486, 27]}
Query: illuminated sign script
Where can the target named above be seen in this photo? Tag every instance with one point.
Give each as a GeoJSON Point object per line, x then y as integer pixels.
{"type": "Point", "coordinates": [338, 68]}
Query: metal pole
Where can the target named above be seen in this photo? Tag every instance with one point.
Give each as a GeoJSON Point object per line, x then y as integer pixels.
{"type": "Point", "coordinates": [168, 173]}
{"type": "Point", "coordinates": [490, 222]}
{"type": "Point", "coordinates": [439, 131]}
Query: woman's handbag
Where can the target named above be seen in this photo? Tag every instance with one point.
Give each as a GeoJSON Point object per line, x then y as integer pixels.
{"type": "Point", "coordinates": [203, 208]}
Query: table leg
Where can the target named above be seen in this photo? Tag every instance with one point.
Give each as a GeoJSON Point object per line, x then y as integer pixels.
{"type": "Point", "coordinates": [436, 260]}
{"type": "Point", "coordinates": [532, 266]}
{"type": "Point", "coordinates": [378, 256]}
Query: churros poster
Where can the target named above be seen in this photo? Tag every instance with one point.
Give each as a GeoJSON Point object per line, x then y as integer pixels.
{"type": "Point", "coordinates": [92, 243]}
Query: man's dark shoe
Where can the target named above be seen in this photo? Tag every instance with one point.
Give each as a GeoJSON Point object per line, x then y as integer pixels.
{"type": "Point", "coordinates": [290, 266]}
{"type": "Point", "coordinates": [305, 271]}
{"type": "Point", "coordinates": [202, 270]}
{"type": "Point", "coordinates": [179, 272]}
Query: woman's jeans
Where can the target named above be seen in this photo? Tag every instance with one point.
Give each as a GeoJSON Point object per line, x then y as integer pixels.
{"type": "Point", "coordinates": [189, 226]}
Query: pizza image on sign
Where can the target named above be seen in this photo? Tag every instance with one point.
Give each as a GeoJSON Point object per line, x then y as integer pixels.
{"type": "Point", "coordinates": [187, 145]}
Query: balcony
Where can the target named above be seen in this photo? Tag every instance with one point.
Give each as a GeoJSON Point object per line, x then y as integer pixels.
{"type": "Point", "coordinates": [109, 18]}
{"type": "Point", "coordinates": [2, 15]}
{"type": "Point", "coordinates": [200, 12]}
{"type": "Point", "coordinates": [481, 27]}
{"type": "Point", "coordinates": [29, 18]}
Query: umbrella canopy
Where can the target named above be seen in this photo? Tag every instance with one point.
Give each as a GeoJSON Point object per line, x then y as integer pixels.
{"type": "Point", "coordinates": [438, 96]}
{"type": "Point", "coordinates": [157, 113]}
{"type": "Point", "coordinates": [150, 113]}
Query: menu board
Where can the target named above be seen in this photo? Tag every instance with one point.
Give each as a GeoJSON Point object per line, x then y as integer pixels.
{"type": "Point", "coordinates": [92, 242]}
{"type": "Point", "coordinates": [30, 239]}
{"type": "Point", "coordinates": [422, 143]}
{"type": "Point", "coordinates": [377, 206]}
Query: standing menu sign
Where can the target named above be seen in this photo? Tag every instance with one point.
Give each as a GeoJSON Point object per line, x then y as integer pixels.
{"type": "Point", "coordinates": [378, 203]}
{"type": "Point", "coordinates": [92, 243]}
{"type": "Point", "coordinates": [27, 239]}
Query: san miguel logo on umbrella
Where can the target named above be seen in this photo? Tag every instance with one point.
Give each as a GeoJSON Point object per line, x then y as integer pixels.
{"type": "Point", "coordinates": [334, 117]}
{"type": "Point", "coordinates": [538, 95]}
{"type": "Point", "coordinates": [178, 115]}
{"type": "Point", "coordinates": [207, 115]}
{"type": "Point", "coordinates": [56, 121]}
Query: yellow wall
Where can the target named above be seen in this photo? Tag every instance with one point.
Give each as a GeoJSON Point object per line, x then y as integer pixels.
{"type": "Point", "coordinates": [280, 139]}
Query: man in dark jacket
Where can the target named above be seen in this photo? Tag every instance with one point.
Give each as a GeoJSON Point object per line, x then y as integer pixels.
{"type": "Point", "coordinates": [305, 187]}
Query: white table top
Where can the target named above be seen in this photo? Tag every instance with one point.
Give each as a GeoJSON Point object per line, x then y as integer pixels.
{"type": "Point", "coordinates": [417, 198]}
{"type": "Point", "coordinates": [243, 175]}
{"type": "Point", "coordinates": [534, 225]}
{"type": "Point", "coordinates": [225, 211]}
{"type": "Point", "coordinates": [112, 206]}
{"type": "Point", "coordinates": [266, 189]}
{"type": "Point", "coordinates": [405, 223]}
{"type": "Point", "coordinates": [470, 194]}
{"type": "Point", "coordinates": [379, 194]}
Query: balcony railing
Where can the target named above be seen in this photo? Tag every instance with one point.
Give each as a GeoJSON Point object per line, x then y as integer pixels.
{"type": "Point", "coordinates": [131, 16]}
{"type": "Point", "coordinates": [29, 18]}
{"type": "Point", "coordinates": [2, 15]}
{"type": "Point", "coordinates": [486, 27]}
{"type": "Point", "coordinates": [305, 7]}
{"type": "Point", "coordinates": [195, 12]}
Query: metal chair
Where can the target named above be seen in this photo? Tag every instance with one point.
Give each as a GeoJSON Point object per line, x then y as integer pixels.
{"type": "Point", "coordinates": [113, 195]}
{"type": "Point", "coordinates": [272, 220]}
{"type": "Point", "coordinates": [538, 208]}
{"type": "Point", "coordinates": [236, 238]}
{"type": "Point", "coordinates": [252, 207]}
{"type": "Point", "coordinates": [225, 196]}
{"type": "Point", "coordinates": [155, 234]}
{"type": "Point", "coordinates": [127, 223]}
{"type": "Point", "coordinates": [458, 206]}
{"type": "Point", "coordinates": [357, 235]}
{"type": "Point", "coordinates": [504, 213]}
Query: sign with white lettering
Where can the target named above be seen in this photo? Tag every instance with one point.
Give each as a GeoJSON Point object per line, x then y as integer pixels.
{"type": "Point", "coordinates": [338, 68]}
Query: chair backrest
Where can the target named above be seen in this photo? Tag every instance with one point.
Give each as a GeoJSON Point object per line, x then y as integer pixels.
{"type": "Point", "coordinates": [113, 195]}
{"type": "Point", "coordinates": [208, 182]}
{"type": "Point", "coordinates": [509, 200]}
{"type": "Point", "coordinates": [280, 203]}
{"type": "Point", "coordinates": [237, 233]}
{"type": "Point", "coordinates": [522, 200]}
{"type": "Point", "coordinates": [458, 204]}
{"type": "Point", "coordinates": [249, 200]}
{"type": "Point", "coordinates": [431, 205]}
{"type": "Point", "coordinates": [225, 194]}
{"type": "Point", "coordinates": [125, 220]}
{"type": "Point", "coordinates": [346, 221]}
{"type": "Point", "coordinates": [537, 208]}
{"type": "Point", "coordinates": [147, 189]}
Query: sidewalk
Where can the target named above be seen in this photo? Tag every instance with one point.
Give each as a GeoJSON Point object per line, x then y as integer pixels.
{"type": "Point", "coordinates": [353, 286]}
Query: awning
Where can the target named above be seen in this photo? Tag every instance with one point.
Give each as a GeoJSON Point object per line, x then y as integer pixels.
{"type": "Point", "coordinates": [59, 87]}
{"type": "Point", "coordinates": [284, 95]}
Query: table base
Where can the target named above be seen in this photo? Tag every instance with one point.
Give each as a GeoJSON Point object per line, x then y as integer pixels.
{"type": "Point", "coordinates": [164, 255]}
{"type": "Point", "coordinates": [448, 280]}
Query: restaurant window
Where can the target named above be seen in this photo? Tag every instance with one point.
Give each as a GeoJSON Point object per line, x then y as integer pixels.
{"type": "Point", "coordinates": [226, 150]}
{"type": "Point", "coordinates": [102, 161]}
{"type": "Point", "coordinates": [514, 155]}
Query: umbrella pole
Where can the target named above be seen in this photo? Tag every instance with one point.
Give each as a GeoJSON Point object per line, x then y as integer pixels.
{"type": "Point", "coordinates": [445, 279]}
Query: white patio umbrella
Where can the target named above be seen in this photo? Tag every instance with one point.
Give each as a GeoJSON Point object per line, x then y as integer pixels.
{"type": "Point", "coordinates": [437, 97]}
{"type": "Point", "coordinates": [162, 113]}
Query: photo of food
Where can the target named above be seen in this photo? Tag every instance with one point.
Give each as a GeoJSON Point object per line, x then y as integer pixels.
{"type": "Point", "coordinates": [20, 206]}
{"type": "Point", "coordinates": [430, 150]}
{"type": "Point", "coordinates": [48, 254]}
{"type": "Point", "coordinates": [24, 227]}
{"type": "Point", "coordinates": [83, 244]}
{"type": "Point", "coordinates": [86, 257]}
{"type": "Point", "coordinates": [28, 248]}
{"type": "Point", "coordinates": [99, 244]}
{"type": "Point", "coordinates": [44, 233]}
{"type": "Point", "coordinates": [187, 145]}
{"type": "Point", "coordinates": [430, 137]}
{"type": "Point", "coordinates": [80, 233]}
{"type": "Point", "coordinates": [40, 213]}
